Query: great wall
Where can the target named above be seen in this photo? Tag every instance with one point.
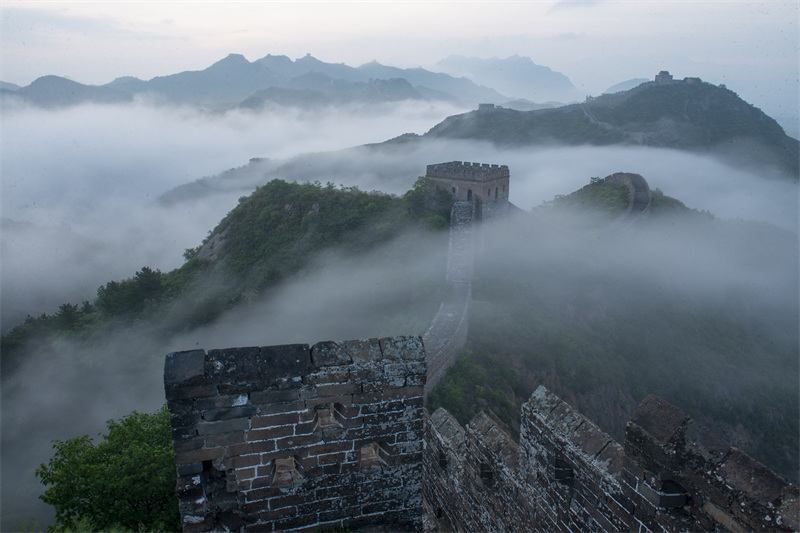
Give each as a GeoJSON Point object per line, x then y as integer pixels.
{"type": "Point", "coordinates": [335, 435]}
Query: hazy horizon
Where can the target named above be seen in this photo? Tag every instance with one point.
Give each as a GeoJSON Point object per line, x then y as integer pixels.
{"type": "Point", "coordinates": [753, 48]}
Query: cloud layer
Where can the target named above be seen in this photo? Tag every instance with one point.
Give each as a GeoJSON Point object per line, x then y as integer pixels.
{"type": "Point", "coordinates": [80, 189]}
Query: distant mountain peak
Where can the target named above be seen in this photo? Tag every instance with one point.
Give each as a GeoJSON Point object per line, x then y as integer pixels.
{"type": "Point", "coordinates": [515, 76]}
{"type": "Point", "coordinates": [230, 60]}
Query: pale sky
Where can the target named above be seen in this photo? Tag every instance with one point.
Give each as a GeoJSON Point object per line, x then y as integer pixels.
{"type": "Point", "coordinates": [750, 46]}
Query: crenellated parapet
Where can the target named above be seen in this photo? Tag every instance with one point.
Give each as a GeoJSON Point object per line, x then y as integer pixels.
{"type": "Point", "coordinates": [286, 437]}
{"type": "Point", "coordinates": [335, 435]}
{"type": "Point", "coordinates": [485, 185]}
{"type": "Point", "coordinates": [461, 170]}
{"type": "Point", "coordinates": [566, 474]}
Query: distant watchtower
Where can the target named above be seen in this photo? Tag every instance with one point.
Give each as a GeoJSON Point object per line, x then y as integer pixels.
{"type": "Point", "coordinates": [486, 185]}
{"type": "Point", "coordinates": [664, 77]}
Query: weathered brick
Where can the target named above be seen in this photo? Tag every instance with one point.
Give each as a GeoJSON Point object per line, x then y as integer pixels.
{"type": "Point", "coordinates": [223, 426]}
{"type": "Point", "coordinates": [342, 389]}
{"type": "Point", "coordinates": [243, 411]}
{"type": "Point", "coordinates": [235, 364]}
{"type": "Point", "coordinates": [280, 419]}
{"type": "Point", "coordinates": [403, 348]}
{"type": "Point", "coordinates": [295, 522]}
{"type": "Point", "coordinates": [193, 456]}
{"type": "Point", "coordinates": [242, 461]}
{"type": "Point", "coordinates": [181, 367]}
{"type": "Point", "coordinates": [191, 392]}
{"type": "Point", "coordinates": [328, 353]}
{"type": "Point", "coordinates": [189, 469]}
{"type": "Point", "coordinates": [403, 393]}
{"type": "Point", "coordinates": [282, 501]}
{"type": "Point", "coordinates": [275, 396]}
{"type": "Point", "coordinates": [245, 473]}
{"type": "Point", "coordinates": [305, 428]}
{"type": "Point", "coordinates": [331, 469]}
{"type": "Point", "coordinates": [281, 407]}
{"type": "Point", "coordinates": [297, 440]}
{"type": "Point", "coordinates": [247, 448]}
{"type": "Point", "coordinates": [363, 351]}
{"type": "Point", "coordinates": [328, 376]}
{"type": "Point", "coordinates": [225, 439]}
{"type": "Point", "coordinates": [185, 445]}
{"type": "Point", "coordinates": [270, 433]}
{"type": "Point", "coordinates": [287, 360]}
{"type": "Point", "coordinates": [216, 402]}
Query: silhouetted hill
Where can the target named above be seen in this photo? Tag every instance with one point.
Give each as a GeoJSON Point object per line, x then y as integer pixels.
{"type": "Point", "coordinates": [317, 89]}
{"type": "Point", "coordinates": [234, 80]}
{"type": "Point", "coordinates": [625, 85]}
{"type": "Point", "coordinates": [688, 115]}
{"type": "Point", "coordinates": [54, 91]}
{"type": "Point", "coordinates": [515, 76]}
{"type": "Point", "coordinates": [463, 89]}
{"type": "Point", "coordinates": [226, 82]}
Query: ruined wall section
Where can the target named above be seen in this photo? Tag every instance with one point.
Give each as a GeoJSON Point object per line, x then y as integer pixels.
{"type": "Point", "coordinates": [580, 477]}
{"type": "Point", "coordinates": [447, 333]}
{"type": "Point", "coordinates": [472, 482]}
{"type": "Point", "coordinates": [721, 486]}
{"type": "Point", "coordinates": [287, 437]}
{"type": "Point", "coordinates": [640, 198]}
{"type": "Point", "coordinates": [567, 475]}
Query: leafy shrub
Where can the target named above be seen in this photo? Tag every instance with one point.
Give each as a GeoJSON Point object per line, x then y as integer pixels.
{"type": "Point", "coordinates": [125, 481]}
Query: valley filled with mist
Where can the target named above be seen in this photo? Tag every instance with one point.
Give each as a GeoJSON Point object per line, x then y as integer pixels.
{"type": "Point", "coordinates": [280, 223]}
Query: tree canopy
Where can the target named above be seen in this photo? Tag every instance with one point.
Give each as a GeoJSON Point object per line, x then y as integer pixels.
{"type": "Point", "coordinates": [126, 481]}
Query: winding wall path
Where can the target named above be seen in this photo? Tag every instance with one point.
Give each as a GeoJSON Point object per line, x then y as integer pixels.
{"type": "Point", "coordinates": [448, 331]}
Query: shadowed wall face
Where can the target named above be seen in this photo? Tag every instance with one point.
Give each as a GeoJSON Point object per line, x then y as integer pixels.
{"type": "Point", "coordinates": [565, 474]}
{"type": "Point", "coordinates": [289, 436]}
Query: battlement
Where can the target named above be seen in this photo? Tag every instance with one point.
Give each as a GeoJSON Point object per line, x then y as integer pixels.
{"type": "Point", "coordinates": [288, 437]}
{"type": "Point", "coordinates": [458, 170]}
{"type": "Point", "coordinates": [485, 185]}
{"type": "Point", "coordinates": [565, 474]}
{"type": "Point", "coordinates": [335, 435]}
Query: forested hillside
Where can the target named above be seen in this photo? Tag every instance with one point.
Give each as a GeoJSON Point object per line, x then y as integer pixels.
{"type": "Point", "coordinates": [270, 236]}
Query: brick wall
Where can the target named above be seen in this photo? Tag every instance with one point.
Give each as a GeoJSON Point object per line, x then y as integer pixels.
{"type": "Point", "coordinates": [286, 437]}
{"type": "Point", "coordinates": [567, 475]}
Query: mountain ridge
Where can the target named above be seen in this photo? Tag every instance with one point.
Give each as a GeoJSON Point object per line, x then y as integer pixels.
{"type": "Point", "coordinates": [689, 115]}
{"type": "Point", "coordinates": [233, 79]}
{"type": "Point", "coordinates": [516, 76]}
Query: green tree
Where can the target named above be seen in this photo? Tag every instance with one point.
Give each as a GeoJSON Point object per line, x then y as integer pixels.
{"type": "Point", "coordinates": [126, 481]}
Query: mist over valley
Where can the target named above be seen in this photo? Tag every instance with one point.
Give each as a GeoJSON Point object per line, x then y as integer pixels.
{"type": "Point", "coordinates": [317, 234]}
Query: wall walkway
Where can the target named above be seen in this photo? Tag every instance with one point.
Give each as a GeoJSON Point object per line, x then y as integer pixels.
{"type": "Point", "coordinates": [448, 331]}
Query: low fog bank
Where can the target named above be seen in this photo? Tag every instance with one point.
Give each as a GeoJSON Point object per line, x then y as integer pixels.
{"type": "Point", "coordinates": [72, 388]}
{"type": "Point", "coordinates": [702, 312]}
{"type": "Point", "coordinates": [395, 290]}
{"type": "Point", "coordinates": [80, 185]}
{"type": "Point", "coordinates": [538, 174]}
{"type": "Point", "coordinates": [83, 187]}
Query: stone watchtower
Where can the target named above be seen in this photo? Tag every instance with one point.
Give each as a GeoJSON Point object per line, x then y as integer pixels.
{"type": "Point", "coordinates": [486, 185]}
